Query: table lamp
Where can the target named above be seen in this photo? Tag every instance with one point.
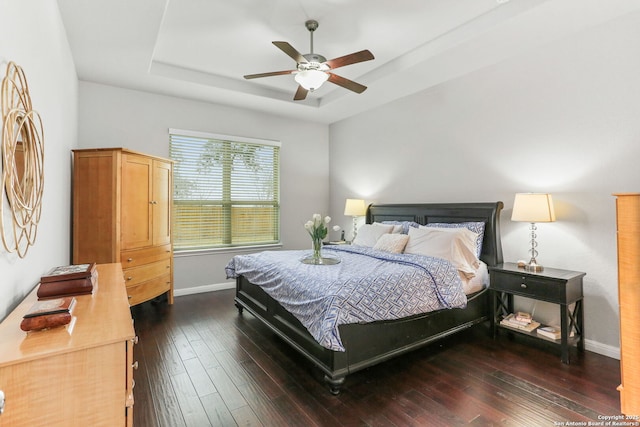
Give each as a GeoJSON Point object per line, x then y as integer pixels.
{"type": "Point", "coordinates": [355, 208]}
{"type": "Point", "coordinates": [533, 208]}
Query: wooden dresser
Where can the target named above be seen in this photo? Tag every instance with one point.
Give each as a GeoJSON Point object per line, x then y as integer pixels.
{"type": "Point", "coordinates": [122, 213]}
{"type": "Point", "coordinates": [628, 221]}
{"type": "Point", "coordinates": [76, 375]}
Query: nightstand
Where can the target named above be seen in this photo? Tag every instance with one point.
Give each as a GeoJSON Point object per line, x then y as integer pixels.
{"type": "Point", "coordinates": [562, 287]}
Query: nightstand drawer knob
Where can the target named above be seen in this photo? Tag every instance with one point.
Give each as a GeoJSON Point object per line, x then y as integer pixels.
{"type": "Point", "coordinates": [523, 286]}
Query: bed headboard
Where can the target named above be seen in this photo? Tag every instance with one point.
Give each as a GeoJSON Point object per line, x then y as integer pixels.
{"type": "Point", "coordinates": [425, 213]}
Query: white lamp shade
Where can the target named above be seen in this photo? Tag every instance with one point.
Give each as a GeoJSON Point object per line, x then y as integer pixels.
{"type": "Point", "coordinates": [355, 207]}
{"type": "Point", "coordinates": [311, 79]}
{"type": "Point", "coordinates": [533, 207]}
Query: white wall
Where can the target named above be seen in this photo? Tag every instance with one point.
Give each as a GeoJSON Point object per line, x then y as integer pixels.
{"type": "Point", "coordinates": [32, 36]}
{"type": "Point", "coordinates": [114, 117]}
{"type": "Point", "coordinates": [563, 118]}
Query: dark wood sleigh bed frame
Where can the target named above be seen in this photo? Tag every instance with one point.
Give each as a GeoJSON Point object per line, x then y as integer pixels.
{"type": "Point", "coordinates": [372, 343]}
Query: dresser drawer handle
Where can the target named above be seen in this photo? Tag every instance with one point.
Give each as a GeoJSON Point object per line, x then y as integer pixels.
{"type": "Point", "coordinates": [129, 259]}
{"type": "Point", "coordinates": [135, 339]}
{"type": "Point", "coordinates": [523, 286]}
{"type": "Point", "coordinates": [129, 278]}
{"type": "Point", "coordinates": [135, 365]}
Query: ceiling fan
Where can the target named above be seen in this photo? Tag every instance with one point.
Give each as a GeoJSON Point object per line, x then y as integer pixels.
{"type": "Point", "coordinates": [313, 70]}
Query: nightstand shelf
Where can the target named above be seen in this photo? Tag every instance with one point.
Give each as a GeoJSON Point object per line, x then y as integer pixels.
{"type": "Point", "coordinates": [556, 286]}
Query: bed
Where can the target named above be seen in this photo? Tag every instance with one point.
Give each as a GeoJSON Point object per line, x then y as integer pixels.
{"type": "Point", "coordinates": [367, 344]}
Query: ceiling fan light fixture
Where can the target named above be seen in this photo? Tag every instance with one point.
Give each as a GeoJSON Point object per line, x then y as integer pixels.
{"type": "Point", "coordinates": [311, 79]}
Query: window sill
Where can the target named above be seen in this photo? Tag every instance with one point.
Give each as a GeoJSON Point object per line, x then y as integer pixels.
{"type": "Point", "coordinates": [229, 250]}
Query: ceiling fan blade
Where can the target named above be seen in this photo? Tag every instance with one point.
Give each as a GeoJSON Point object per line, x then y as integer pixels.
{"type": "Point", "coordinates": [354, 58]}
{"type": "Point", "coordinates": [291, 51]}
{"type": "Point", "coordinates": [346, 83]}
{"type": "Point", "coordinates": [301, 94]}
{"type": "Point", "coordinates": [273, 73]}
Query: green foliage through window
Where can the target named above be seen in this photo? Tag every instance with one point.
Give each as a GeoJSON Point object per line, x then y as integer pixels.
{"type": "Point", "coordinates": [226, 191]}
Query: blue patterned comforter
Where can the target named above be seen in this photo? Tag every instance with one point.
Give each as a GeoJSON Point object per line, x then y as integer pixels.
{"type": "Point", "coordinates": [368, 285]}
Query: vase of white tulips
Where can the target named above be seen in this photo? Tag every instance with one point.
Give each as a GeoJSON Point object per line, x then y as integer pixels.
{"type": "Point", "coordinates": [317, 229]}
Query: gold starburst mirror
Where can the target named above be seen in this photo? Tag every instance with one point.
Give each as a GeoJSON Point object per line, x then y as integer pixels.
{"type": "Point", "coordinates": [22, 164]}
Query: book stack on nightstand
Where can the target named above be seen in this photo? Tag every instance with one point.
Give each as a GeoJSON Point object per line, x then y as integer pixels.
{"type": "Point", "coordinates": [552, 285]}
{"type": "Point", "coordinates": [520, 321]}
{"type": "Point", "coordinates": [551, 332]}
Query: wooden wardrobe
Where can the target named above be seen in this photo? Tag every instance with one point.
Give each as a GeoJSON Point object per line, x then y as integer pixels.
{"type": "Point", "coordinates": [122, 213]}
{"type": "Point", "coordinates": [628, 221]}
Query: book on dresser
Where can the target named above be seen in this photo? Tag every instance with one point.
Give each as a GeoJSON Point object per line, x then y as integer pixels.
{"type": "Point", "coordinates": [47, 314]}
{"type": "Point", "coordinates": [77, 279]}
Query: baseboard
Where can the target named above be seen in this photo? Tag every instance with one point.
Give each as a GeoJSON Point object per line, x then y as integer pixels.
{"type": "Point", "coordinates": [204, 288]}
{"type": "Point", "coordinates": [604, 349]}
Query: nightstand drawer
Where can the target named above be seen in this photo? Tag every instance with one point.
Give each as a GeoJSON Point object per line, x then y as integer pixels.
{"type": "Point", "coordinates": [539, 288]}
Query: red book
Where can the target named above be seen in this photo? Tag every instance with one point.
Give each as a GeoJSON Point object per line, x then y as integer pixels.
{"type": "Point", "coordinates": [48, 314]}
{"type": "Point", "coordinates": [51, 306]}
{"type": "Point", "coordinates": [68, 280]}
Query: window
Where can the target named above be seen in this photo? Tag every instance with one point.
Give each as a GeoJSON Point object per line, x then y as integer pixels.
{"type": "Point", "coordinates": [226, 191]}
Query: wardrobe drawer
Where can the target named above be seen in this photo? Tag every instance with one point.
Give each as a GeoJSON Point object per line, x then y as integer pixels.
{"type": "Point", "coordinates": [133, 276]}
{"type": "Point", "coordinates": [150, 289]}
{"type": "Point", "coordinates": [139, 257]}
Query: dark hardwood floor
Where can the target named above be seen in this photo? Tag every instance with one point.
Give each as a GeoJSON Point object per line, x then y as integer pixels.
{"type": "Point", "coordinates": [201, 364]}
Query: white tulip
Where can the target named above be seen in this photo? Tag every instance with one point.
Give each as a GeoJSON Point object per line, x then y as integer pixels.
{"type": "Point", "coordinates": [327, 219]}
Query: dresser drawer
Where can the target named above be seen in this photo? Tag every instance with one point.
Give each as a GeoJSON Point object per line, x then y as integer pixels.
{"type": "Point", "coordinates": [533, 287]}
{"type": "Point", "coordinates": [150, 289]}
{"type": "Point", "coordinates": [133, 276]}
{"type": "Point", "coordinates": [137, 257]}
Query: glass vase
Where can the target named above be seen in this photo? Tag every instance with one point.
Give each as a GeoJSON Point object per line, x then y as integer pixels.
{"type": "Point", "coordinates": [316, 256]}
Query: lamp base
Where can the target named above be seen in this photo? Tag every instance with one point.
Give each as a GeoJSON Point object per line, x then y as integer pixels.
{"type": "Point", "coordinates": [533, 266]}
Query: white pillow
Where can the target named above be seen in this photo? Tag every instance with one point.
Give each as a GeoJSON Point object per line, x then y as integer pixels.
{"type": "Point", "coordinates": [368, 234]}
{"type": "Point", "coordinates": [397, 228]}
{"type": "Point", "coordinates": [456, 245]}
{"type": "Point", "coordinates": [393, 243]}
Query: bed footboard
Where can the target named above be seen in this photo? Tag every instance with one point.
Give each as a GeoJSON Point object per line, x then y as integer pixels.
{"type": "Point", "coordinates": [366, 344]}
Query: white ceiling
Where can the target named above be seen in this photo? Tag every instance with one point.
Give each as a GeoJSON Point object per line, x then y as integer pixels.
{"type": "Point", "coordinates": [200, 49]}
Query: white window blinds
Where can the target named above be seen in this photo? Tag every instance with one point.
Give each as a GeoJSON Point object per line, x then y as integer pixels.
{"type": "Point", "coordinates": [226, 191]}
